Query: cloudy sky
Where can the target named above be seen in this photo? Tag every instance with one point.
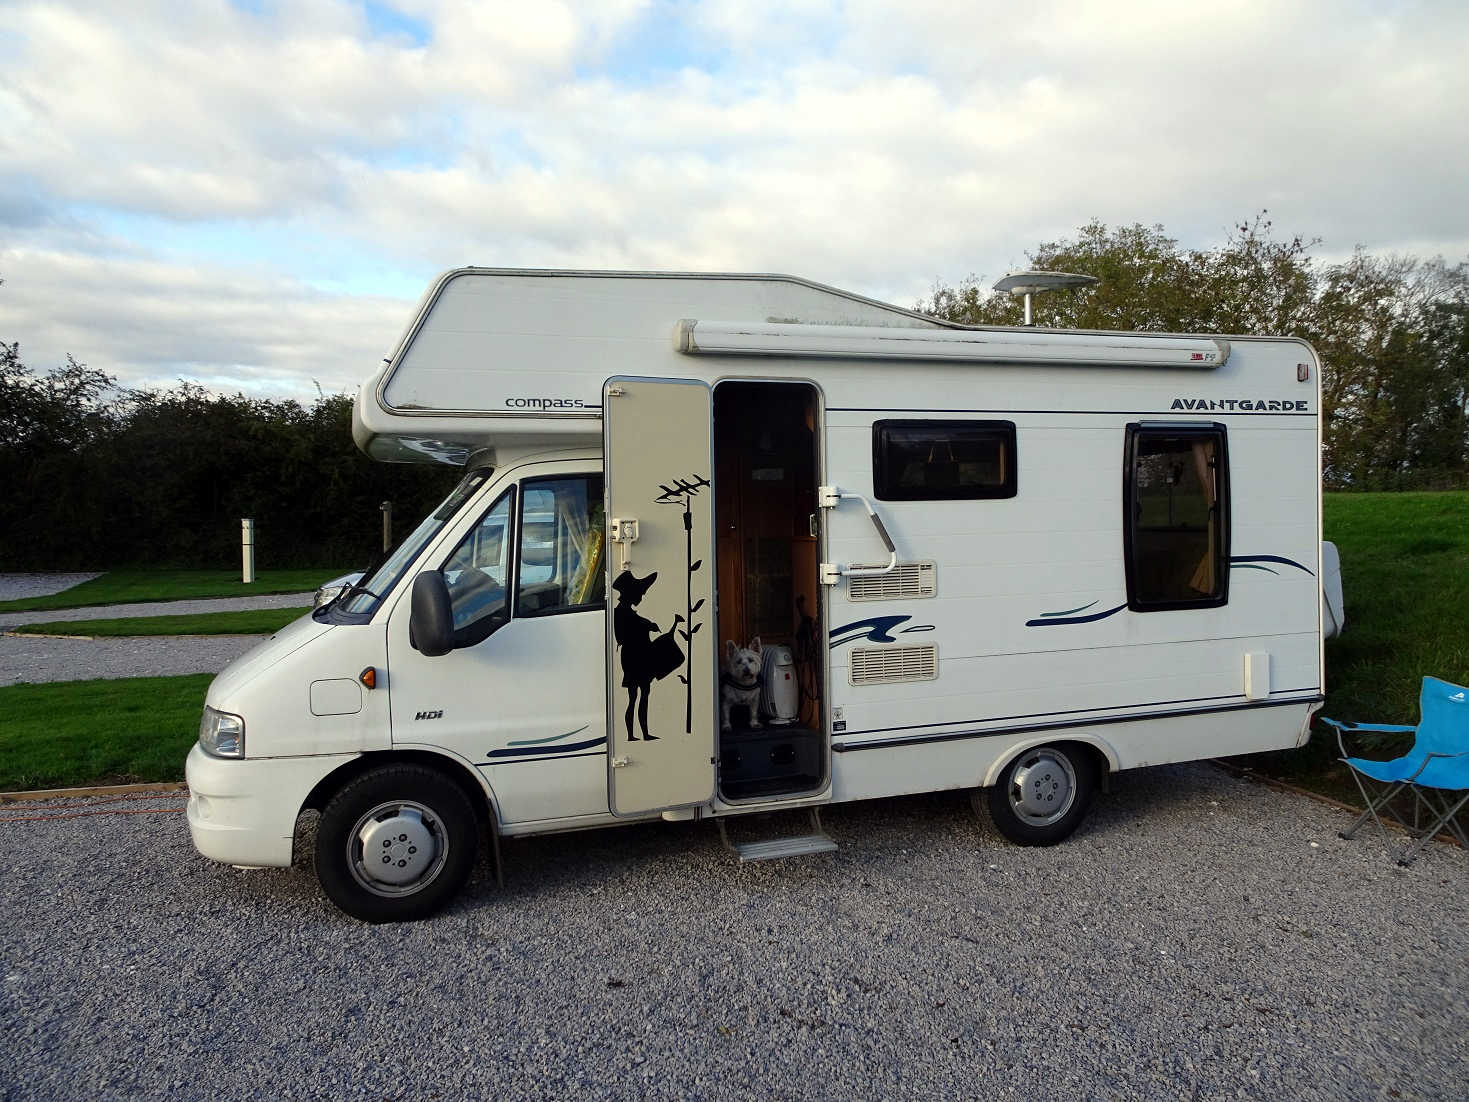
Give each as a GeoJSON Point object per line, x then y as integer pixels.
{"type": "Point", "coordinates": [253, 193]}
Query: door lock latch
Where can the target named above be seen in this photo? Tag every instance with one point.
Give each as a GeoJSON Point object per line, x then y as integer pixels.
{"type": "Point", "coordinates": [623, 531]}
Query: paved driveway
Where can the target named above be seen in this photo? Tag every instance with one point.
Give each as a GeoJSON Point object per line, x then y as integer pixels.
{"type": "Point", "coordinates": [1190, 942]}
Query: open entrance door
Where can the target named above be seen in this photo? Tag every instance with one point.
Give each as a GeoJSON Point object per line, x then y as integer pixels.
{"type": "Point", "coordinates": [767, 457]}
{"type": "Point", "coordinates": [661, 672]}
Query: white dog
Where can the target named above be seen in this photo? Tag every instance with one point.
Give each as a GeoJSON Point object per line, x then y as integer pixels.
{"type": "Point", "coordinates": [740, 682]}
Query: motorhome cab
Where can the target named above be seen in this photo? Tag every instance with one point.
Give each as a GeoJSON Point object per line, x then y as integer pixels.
{"type": "Point", "coordinates": [1012, 560]}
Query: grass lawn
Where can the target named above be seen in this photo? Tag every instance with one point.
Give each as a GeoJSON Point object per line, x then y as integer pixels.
{"type": "Point", "coordinates": [1405, 581]}
{"type": "Point", "coordinates": [1405, 576]}
{"type": "Point", "coordinates": [255, 621]}
{"type": "Point", "coordinates": [98, 732]}
{"type": "Point", "coordinates": [122, 587]}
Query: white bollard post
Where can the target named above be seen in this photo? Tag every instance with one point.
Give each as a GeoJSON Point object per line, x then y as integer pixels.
{"type": "Point", "coordinates": [247, 550]}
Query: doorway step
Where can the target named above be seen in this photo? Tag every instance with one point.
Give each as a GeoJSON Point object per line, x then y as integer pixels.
{"type": "Point", "coordinates": [789, 845]}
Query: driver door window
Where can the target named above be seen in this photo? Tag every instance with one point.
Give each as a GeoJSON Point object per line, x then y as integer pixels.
{"type": "Point", "coordinates": [477, 574]}
{"type": "Point", "coordinates": [561, 567]}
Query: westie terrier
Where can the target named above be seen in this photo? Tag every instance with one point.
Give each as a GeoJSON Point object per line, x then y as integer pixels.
{"type": "Point", "coordinates": [740, 682]}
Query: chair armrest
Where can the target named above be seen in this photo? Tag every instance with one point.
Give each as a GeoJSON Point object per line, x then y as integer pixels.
{"type": "Point", "coordinates": [1357, 728]}
{"type": "Point", "coordinates": [1429, 757]}
{"type": "Point", "coordinates": [1436, 754]}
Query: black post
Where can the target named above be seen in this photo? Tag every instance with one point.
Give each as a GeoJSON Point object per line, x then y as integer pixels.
{"type": "Point", "coordinates": [682, 492]}
{"type": "Point", "coordinates": [688, 532]}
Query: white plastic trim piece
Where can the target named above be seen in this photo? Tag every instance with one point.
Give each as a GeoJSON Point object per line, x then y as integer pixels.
{"type": "Point", "coordinates": [1038, 346]}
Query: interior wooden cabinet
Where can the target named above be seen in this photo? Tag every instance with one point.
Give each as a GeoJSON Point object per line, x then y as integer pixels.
{"type": "Point", "coordinates": [765, 505]}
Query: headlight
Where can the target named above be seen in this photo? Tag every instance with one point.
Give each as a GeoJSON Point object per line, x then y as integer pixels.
{"type": "Point", "coordinates": [330, 591]}
{"type": "Point", "coordinates": [222, 734]}
{"type": "Point", "coordinates": [327, 594]}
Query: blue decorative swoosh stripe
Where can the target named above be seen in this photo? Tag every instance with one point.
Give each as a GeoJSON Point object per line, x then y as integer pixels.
{"type": "Point", "coordinates": [1052, 619]}
{"type": "Point", "coordinates": [1069, 611]}
{"type": "Point", "coordinates": [553, 738]}
{"type": "Point", "coordinates": [1244, 560]}
{"type": "Point", "coordinates": [1236, 562]}
{"type": "Point", "coordinates": [877, 629]}
{"type": "Point", "coordinates": [558, 751]}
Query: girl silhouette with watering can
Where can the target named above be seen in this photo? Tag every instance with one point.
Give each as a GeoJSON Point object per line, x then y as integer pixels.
{"type": "Point", "coordinates": [646, 656]}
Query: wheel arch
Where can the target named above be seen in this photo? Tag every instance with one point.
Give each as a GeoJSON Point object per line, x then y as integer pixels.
{"type": "Point", "coordinates": [481, 796]}
{"type": "Point", "coordinates": [1103, 756]}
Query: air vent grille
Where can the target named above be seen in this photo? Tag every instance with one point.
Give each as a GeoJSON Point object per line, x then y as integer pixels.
{"type": "Point", "coordinates": [906, 580]}
{"type": "Point", "coordinates": [881, 665]}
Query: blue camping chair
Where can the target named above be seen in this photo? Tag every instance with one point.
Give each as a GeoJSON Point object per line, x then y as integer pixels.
{"type": "Point", "coordinates": [1435, 769]}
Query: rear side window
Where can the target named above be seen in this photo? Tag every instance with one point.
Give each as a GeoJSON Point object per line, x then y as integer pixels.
{"type": "Point", "coordinates": [1176, 519]}
{"type": "Point", "coordinates": [943, 460]}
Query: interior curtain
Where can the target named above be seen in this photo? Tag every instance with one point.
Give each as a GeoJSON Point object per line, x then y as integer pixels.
{"type": "Point", "coordinates": [1205, 579]}
{"type": "Point", "coordinates": [572, 507]}
{"type": "Point", "coordinates": [585, 542]}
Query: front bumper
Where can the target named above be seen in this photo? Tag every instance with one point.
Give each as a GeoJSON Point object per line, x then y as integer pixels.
{"type": "Point", "coordinates": [243, 812]}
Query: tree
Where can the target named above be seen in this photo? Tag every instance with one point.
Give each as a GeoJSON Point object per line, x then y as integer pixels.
{"type": "Point", "coordinates": [1251, 284]}
{"type": "Point", "coordinates": [1392, 332]}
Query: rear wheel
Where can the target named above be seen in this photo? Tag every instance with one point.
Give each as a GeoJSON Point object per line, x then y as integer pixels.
{"type": "Point", "coordinates": [396, 844]}
{"type": "Point", "coordinates": [1043, 794]}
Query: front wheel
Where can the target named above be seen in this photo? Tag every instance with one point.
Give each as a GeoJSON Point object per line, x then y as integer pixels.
{"type": "Point", "coordinates": [396, 844]}
{"type": "Point", "coordinates": [1043, 795]}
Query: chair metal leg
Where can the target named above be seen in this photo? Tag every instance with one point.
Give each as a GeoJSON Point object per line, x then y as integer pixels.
{"type": "Point", "coordinates": [1439, 805]}
{"type": "Point", "coordinates": [1446, 816]}
{"type": "Point", "coordinates": [1372, 806]}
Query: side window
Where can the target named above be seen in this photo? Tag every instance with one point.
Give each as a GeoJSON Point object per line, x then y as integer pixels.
{"type": "Point", "coordinates": [478, 573]}
{"type": "Point", "coordinates": [1176, 520]}
{"type": "Point", "coordinates": [943, 460]}
{"type": "Point", "coordinates": [561, 565]}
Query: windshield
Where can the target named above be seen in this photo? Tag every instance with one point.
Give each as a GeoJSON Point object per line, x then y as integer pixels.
{"type": "Point", "coordinates": [379, 583]}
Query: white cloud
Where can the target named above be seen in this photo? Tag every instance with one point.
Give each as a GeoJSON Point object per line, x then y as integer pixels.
{"type": "Point", "coordinates": [150, 323]}
{"type": "Point", "coordinates": [858, 143]}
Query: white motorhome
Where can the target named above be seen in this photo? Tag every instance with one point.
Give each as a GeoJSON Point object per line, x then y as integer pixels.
{"type": "Point", "coordinates": [1008, 560]}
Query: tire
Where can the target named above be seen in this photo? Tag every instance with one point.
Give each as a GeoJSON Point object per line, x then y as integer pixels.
{"type": "Point", "coordinates": [420, 828]}
{"type": "Point", "coordinates": [1043, 794]}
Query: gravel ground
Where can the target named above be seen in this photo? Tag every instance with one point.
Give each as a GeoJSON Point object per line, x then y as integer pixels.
{"type": "Point", "coordinates": [156, 608]}
{"type": "Point", "coordinates": [16, 587]}
{"type": "Point", "coordinates": [1190, 942]}
{"type": "Point", "coordinates": [37, 660]}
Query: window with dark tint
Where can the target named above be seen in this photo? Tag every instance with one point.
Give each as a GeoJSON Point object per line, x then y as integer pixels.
{"type": "Point", "coordinates": [1176, 493]}
{"type": "Point", "coordinates": [943, 460]}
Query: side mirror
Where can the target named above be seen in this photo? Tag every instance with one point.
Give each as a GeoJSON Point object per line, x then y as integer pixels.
{"type": "Point", "coordinates": [431, 624]}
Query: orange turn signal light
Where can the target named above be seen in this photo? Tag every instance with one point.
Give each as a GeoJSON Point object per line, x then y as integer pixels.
{"type": "Point", "coordinates": [368, 677]}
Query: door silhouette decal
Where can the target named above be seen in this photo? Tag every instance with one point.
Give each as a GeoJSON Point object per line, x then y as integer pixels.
{"type": "Point", "coordinates": [646, 655]}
